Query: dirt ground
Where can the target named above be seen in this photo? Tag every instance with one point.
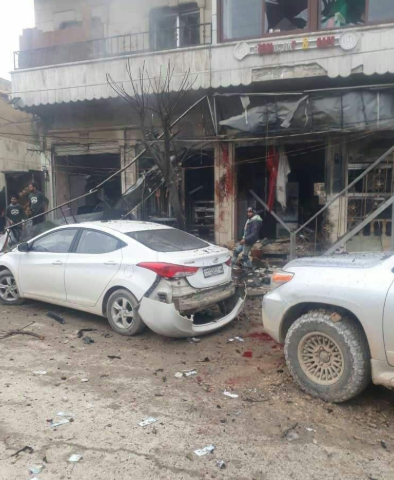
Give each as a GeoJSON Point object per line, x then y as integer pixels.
{"type": "Point", "coordinates": [272, 431]}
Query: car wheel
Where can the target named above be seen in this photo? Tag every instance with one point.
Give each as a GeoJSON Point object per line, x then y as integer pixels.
{"type": "Point", "coordinates": [9, 293]}
{"type": "Point", "coordinates": [122, 313]}
{"type": "Point", "coordinates": [328, 360]}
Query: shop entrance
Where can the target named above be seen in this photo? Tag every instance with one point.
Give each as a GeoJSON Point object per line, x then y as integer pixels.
{"type": "Point", "coordinates": [304, 189]}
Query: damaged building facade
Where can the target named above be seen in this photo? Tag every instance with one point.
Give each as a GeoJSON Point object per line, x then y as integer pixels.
{"type": "Point", "coordinates": [300, 102]}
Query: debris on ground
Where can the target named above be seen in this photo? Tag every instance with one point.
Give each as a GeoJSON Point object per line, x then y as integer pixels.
{"type": "Point", "coordinates": [88, 340]}
{"type": "Point", "coordinates": [22, 331]}
{"type": "Point", "coordinates": [247, 354]}
{"type": "Point", "coordinates": [85, 330]}
{"type": "Point", "coordinates": [84, 380]}
{"type": "Point", "coordinates": [194, 340]}
{"type": "Point", "coordinates": [204, 451]}
{"type": "Point", "coordinates": [178, 375]}
{"type": "Point", "coordinates": [40, 372]}
{"type": "Point", "coordinates": [147, 421]}
{"type": "Point", "coordinates": [235, 339]}
{"type": "Point", "coordinates": [22, 450]}
{"type": "Point", "coordinates": [290, 434]}
{"type": "Point", "coordinates": [189, 373]}
{"type": "Point", "coordinates": [75, 458]}
{"type": "Point", "coordinates": [59, 423]}
{"type": "Point", "coordinates": [221, 464]}
{"type": "Point", "coordinates": [36, 469]}
{"type": "Point", "coordinates": [56, 317]}
{"type": "Point", "coordinates": [230, 395]}
{"type": "Point", "coordinates": [65, 415]}
{"type": "Point", "coordinates": [114, 357]}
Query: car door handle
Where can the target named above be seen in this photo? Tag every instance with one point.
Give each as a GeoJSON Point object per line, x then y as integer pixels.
{"type": "Point", "coordinates": [110, 263]}
{"type": "Point", "coordinates": [58, 262]}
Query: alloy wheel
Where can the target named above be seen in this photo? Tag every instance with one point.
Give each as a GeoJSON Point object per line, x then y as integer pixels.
{"type": "Point", "coordinates": [122, 313]}
{"type": "Point", "coordinates": [8, 289]}
{"type": "Point", "coordinates": [320, 358]}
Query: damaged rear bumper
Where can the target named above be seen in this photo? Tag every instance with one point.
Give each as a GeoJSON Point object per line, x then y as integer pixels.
{"type": "Point", "coordinates": [164, 319]}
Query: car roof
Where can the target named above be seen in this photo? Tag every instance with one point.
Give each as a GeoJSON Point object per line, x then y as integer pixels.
{"type": "Point", "coordinates": [123, 226]}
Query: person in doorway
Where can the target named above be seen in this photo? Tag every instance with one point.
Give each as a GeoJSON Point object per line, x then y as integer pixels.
{"type": "Point", "coordinates": [251, 235]}
{"type": "Point", "coordinates": [15, 214]}
{"type": "Point", "coordinates": [37, 203]}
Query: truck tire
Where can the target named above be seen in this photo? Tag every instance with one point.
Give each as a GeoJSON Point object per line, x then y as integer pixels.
{"type": "Point", "coordinates": [122, 313]}
{"type": "Point", "coordinates": [328, 360]}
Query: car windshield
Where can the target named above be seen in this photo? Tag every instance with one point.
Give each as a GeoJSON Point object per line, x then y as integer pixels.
{"type": "Point", "coordinates": [168, 240]}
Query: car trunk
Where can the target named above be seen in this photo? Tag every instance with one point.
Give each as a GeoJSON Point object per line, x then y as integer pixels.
{"type": "Point", "coordinates": [210, 261]}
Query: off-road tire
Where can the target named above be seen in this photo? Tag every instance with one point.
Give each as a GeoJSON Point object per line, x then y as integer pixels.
{"type": "Point", "coordinates": [353, 346]}
{"type": "Point", "coordinates": [4, 275]}
{"type": "Point", "coordinates": [136, 324]}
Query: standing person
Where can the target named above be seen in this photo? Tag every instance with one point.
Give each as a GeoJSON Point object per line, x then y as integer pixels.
{"type": "Point", "coordinates": [37, 203]}
{"type": "Point", "coordinates": [251, 235]}
{"type": "Point", "coordinates": [15, 214]}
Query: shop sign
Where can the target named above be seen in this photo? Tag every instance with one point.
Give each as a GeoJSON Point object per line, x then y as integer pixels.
{"type": "Point", "coordinates": [347, 41]}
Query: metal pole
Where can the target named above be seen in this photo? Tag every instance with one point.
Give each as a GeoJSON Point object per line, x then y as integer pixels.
{"type": "Point", "coordinates": [144, 151]}
{"type": "Point", "coordinates": [392, 229]}
{"type": "Point", "coordinates": [293, 245]}
{"type": "Point", "coordinates": [278, 219]}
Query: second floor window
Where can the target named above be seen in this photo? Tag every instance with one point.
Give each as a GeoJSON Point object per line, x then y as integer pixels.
{"type": "Point", "coordinates": [175, 27]}
{"type": "Point", "coordinates": [247, 19]}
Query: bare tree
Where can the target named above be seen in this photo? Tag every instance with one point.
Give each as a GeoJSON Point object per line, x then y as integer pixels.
{"type": "Point", "coordinates": [155, 96]}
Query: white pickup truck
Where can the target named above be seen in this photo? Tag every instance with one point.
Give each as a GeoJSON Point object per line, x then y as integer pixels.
{"type": "Point", "coordinates": [335, 316]}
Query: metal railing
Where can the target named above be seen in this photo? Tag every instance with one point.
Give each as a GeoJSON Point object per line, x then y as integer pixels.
{"type": "Point", "coordinates": [120, 45]}
{"type": "Point", "coordinates": [348, 235]}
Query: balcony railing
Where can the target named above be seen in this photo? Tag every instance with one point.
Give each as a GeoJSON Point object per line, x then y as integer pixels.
{"type": "Point", "coordinates": [130, 44]}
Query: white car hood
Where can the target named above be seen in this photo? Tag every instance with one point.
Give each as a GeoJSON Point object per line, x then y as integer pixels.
{"type": "Point", "coordinates": [357, 260]}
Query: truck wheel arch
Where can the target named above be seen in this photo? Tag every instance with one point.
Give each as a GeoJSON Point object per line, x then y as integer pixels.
{"type": "Point", "coordinates": [296, 311]}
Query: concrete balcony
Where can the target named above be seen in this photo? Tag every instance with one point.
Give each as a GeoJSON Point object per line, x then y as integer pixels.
{"type": "Point", "coordinates": [331, 54]}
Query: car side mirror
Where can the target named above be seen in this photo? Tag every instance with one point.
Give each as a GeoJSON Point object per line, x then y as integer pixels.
{"type": "Point", "coordinates": [23, 247]}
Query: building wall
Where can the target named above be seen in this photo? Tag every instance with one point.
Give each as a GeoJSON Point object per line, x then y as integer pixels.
{"type": "Point", "coordinates": [119, 17]}
{"type": "Point", "coordinates": [17, 137]}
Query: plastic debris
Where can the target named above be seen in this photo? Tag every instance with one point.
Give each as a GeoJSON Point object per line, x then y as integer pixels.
{"type": "Point", "coordinates": [147, 422]}
{"type": "Point", "coordinates": [75, 458]}
{"type": "Point", "coordinates": [56, 317]}
{"type": "Point", "coordinates": [229, 394]}
{"type": "Point", "coordinates": [235, 339]}
{"type": "Point", "coordinates": [178, 375]}
{"type": "Point", "coordinates": [59, 423]}
{"type": "Point", "coordinates": [84, 380]}
{"type": "Point", "coordinates": [204, 451]}
{"type": "Point", "coordinates": [221, 464]}
{"type": "Point", "coordinates": [36, 469]}
{"type": "Point", "coordinates": [189, 373]}
{"type": "Point", "coordinates": [40, 372]}
{"type": "Point", "coordinates": [65, 414]}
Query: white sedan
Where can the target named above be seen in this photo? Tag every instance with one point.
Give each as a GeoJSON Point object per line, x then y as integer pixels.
{"type": "Point", "coordinates": [133, 273]}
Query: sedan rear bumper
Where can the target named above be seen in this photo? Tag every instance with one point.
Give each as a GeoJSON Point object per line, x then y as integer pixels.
{"type": "Point", "coordinates": [164, 319]}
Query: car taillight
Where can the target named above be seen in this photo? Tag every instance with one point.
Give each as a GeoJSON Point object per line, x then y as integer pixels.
{"type": "Point", "coordinates": [168, 270]}
{"type": "Point", "coordinates": [280, 278]}
{"type": "Point", "coordinates": [228, 263]}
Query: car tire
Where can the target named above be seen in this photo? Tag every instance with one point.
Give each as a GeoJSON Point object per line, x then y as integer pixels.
{"type": "Point", "coordinates": [329, 360]}
{"type": "Point", "coordinates": [122, 313]}
{"type": "Point", "coordinates": [9, 293]}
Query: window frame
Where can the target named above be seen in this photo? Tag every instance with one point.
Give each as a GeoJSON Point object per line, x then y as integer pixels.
{"type": "Point", "coordinates": [51, 232]}
{"type": "Point", "coordinates": [314, 23]}
{"type": "Point", "coordinates": [121, 244]}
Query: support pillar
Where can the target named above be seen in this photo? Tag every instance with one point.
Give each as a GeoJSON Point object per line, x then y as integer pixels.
{"type": "Point", "coordinates": [225, 194]}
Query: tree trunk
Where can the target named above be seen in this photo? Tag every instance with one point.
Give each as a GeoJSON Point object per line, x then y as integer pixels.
{"type": "Point", "coordinates": [176, 204]}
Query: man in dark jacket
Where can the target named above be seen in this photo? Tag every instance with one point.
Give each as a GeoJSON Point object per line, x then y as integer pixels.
{"type": "Point", "coordinates": [38, 203]}
{"type": "Point", "coordinates": [15, 214]}
{"type": "Point", "coordinates": [251, 235]}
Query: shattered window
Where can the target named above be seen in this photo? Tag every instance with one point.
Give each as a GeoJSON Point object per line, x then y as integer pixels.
{"type": "Point", "coordinates": [242, 19]}
{"type": "Point", "coordinates": [168, 240]}
{"type": "Point", "coordinates": [343, 13]}
{"type": "Point", "coordinates": [380, 10]}
{"type": "Point", "coordinates": [286, 15]}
